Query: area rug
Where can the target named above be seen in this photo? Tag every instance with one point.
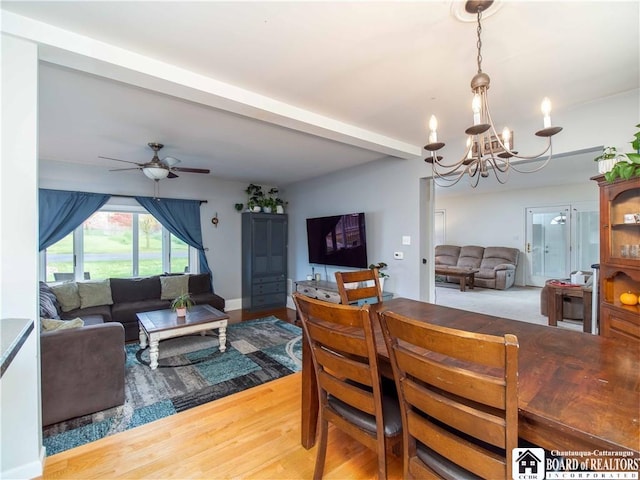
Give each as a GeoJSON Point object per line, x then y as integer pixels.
{"type": "Point", "coordinates": [191, 371]}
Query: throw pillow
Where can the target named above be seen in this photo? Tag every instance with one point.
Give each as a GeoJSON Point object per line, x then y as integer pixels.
{"type": "Point", "coordinates": [67, 295]}
{"type": "Point", "coordinates": [93, 294]}
{"type": "Point", "coordinates": [173, 286]}
{"type": "Point", "coordinates": [50, 324]}
{"type": "Point", "coordinates": [48, 302]}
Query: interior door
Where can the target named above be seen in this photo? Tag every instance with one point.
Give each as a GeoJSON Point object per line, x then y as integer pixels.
{"type": "Point", "coordinates": [548, 249]}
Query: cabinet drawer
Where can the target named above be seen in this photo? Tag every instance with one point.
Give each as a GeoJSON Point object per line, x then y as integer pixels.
{"type": "Point", "coordinates": [273, 299]}
{"type": "Point", "coordinates": [273, 287]}
{"type": "Point", "coordinates": [319, 293]}
{"type": "Point", "coordinates": [267, 279]}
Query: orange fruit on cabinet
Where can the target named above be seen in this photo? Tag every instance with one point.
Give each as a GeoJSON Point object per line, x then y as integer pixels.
{"type": "Point", "coordinates": [629, 298]}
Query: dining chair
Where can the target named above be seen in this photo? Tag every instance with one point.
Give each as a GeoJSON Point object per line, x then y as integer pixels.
{"type": "Point", "coordinates": [370, 289]}
{"type": "Point", "coordinates": [458, 396]}
{"type": "Point", "coordinates": [350, 393]}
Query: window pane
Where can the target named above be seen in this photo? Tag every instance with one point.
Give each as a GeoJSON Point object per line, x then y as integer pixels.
{"type": "Point", "coordinates": [179, 255]}
{"type": "Point", "coordinates": [150, 245]}
{"type": "Point", "coordinates": [59, 258]}
{"type": "Point", "coordinates": [108, 248]}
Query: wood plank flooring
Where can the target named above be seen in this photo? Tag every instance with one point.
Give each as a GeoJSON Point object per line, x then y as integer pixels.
{"type": "Point", "coordinates": [253, 434]}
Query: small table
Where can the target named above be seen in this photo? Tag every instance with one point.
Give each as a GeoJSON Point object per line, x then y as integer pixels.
{"type": "Point", "coordinates": [558, 289]}
{"type": "Point", "coordinates": [162, 324]}
{"type": "Point", "coordinates": [466, 275]}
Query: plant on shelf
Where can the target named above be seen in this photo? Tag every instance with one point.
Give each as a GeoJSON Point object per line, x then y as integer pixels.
{"type": "Point", "coordinates": [181, 304]}
{"type": "Point", "coordinates": [256, 197]}
{"type": "Point", "coordinates": [268, 204]}
{"type": "Point", "coordinates": [379, 266]}
{"type": "Point", "coordinates": [629, 167]}
{"type": "Point", "coordinates": [239, 206]}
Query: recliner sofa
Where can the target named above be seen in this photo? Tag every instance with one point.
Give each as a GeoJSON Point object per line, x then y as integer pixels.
{"type": "Point", "coordinates": [496, 265]}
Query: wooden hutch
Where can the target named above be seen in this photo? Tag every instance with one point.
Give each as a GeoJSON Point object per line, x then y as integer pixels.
{"type": "Point", "coordinates": [619, 256]}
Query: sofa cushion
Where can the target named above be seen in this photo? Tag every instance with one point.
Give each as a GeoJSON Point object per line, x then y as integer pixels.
{"type": "Point", "coordinates": [200, 283]}
{"type": "Point", "coordinates": [212, 299]}
{"type": "Point", "coordinates": [447, 255]}
{"type": "Point", "coordinates": [470, 256]}
{"type": "Point", "coordinates": [67, 295]}
{"type": "Point", "coordinates": [51, 324]}
{"type": "Point", "coordinates": [49, 306]}
{"type": "Point", "coordinates": [499, 256]}
{"type": "Point", "coordinates": [103, 312]}
{"type": "Point", "coordinates": [173, 286]}
{"type": "Point", "coordinates": [125, 290]}
{"type": "Point", "coordinates": [94, 293]}
{"type": "Point", "coordinates": [126, 312]}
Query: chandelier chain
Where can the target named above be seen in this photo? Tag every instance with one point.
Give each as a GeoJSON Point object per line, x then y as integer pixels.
{"type": "Point", "coordinates": [479, 44]}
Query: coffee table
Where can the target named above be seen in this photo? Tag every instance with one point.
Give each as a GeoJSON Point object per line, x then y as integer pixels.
{"type": "Point", "coordinates": [162, 324]}
{"type": "Point", "coordinates": [466, 275]}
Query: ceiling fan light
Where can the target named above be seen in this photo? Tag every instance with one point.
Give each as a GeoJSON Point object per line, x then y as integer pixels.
{"type": "Point", "coordinates": [155, 173]}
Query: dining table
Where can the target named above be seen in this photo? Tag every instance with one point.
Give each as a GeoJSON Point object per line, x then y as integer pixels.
{"type": "Point", "coordinates": [576, 391]}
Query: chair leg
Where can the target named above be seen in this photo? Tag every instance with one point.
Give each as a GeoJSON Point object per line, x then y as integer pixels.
{"type": "Point", "coordinates": [322, 448]}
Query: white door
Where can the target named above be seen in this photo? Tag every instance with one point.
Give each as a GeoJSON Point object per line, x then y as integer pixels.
{"type": "Point", "coordinates": [548, 248]}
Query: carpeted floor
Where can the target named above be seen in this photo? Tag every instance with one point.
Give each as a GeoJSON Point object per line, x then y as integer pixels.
{"type": "Point", "coordinates": [192, 371]}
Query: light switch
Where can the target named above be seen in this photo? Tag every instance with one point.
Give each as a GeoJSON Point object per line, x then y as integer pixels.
{"type": "Point", "coordinates": [406, 240]}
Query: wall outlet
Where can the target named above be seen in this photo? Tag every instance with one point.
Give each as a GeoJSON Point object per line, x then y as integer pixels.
{"type": "Point", "coordinates": [398, 255]}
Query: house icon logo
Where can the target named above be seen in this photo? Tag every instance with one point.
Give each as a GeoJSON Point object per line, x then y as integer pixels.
{"type": "Point", "coordinates": [528, 464]}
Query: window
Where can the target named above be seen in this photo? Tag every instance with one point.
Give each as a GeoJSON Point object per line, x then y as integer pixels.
{"type": "Point", "coordinates": [117, 243]}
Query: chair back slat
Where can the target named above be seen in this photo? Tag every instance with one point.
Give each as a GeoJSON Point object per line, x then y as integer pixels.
{"type": "Point", "coordinates": [458, 396]}
{"type": "Point", "coordinates": [351, 394]}
{"type": "Point", "coordinates": [342, 341]}
{"type": "Point", "coordinates": [354, 370]}
{"type": "Point", "coordinates": [369, 290]}
{"type": "Point", "coordinates": [453, 379]}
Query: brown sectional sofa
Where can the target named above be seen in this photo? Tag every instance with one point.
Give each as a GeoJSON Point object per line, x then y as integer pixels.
{"type": "Point", "coordinates": [497, 265]}
{"type": "Point", "coordinates": [134, 295]}
{"type": "Point", "coordinates": [82, 369]}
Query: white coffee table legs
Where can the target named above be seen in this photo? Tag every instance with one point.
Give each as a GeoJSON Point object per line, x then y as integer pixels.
{"type": "Point", "coordinates": [222, 338]}
{"type": "Point", "coordinates": [143, 339]}
{"type": "Point", "coordinates": [153, 353]}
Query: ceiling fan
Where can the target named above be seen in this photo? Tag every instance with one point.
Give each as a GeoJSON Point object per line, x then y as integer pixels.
{"type": "Point", "coordinates": [158, 169]}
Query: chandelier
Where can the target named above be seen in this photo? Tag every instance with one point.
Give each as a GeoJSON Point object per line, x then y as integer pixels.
{"type": "Point", "coordinates": [486, 150]}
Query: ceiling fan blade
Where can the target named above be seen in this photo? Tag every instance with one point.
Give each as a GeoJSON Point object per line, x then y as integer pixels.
{"type": "Point", "coordinates": [122, 169]}
{"type": "Point", "coordinates": [170, 161]}
{"type": "Point", "coordinates": [125, 161]}
{"type": "Point", "coordinates": [190, 170]}
{"type": "Point", "coordinates": [172, 175]}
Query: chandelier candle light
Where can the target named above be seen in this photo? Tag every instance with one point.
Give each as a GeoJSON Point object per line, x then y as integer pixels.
{"type": "Point", "coordinates": [486, 149]}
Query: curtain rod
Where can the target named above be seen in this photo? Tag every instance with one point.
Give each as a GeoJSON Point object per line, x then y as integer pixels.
{"type": "Point", "coordinates": [134, 196]}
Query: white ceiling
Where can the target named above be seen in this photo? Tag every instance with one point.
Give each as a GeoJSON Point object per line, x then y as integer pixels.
{"type": "Point", "coordinates": [367, 74]}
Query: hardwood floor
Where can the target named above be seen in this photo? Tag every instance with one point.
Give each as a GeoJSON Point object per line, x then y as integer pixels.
{"type": "Point", "coordinates": [252, 434]}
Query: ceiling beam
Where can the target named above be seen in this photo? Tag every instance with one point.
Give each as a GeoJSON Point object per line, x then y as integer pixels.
{"type": "Point", "coordinates": [69, 49]}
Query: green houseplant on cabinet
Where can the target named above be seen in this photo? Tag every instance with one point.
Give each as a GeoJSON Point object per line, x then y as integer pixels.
{"type": "Point", "coordinates": [181, 304]}
{"type": "Point", "coordinates": [381, 275]}
{"type": "Point", "coordinates": [630, 167]}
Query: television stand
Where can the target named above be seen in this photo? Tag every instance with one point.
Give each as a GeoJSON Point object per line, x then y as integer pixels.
{"type": "Point", "coordinates": [328, 291]}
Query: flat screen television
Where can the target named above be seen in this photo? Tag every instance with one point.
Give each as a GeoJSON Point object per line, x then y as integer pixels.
{"type": "Point", "coordinates": [338, 240]}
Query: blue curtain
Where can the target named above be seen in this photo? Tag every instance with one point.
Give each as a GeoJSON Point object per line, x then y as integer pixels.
{"type": "Point", "coordinates": [180, 217]}
{"type": "Point", "coordinates": [61, 212]}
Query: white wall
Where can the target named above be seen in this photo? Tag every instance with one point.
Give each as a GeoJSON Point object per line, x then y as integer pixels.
{"type": "Point", "coordinates": [21, 454]}
{"type": "Point", "coordinates": [222, 241]}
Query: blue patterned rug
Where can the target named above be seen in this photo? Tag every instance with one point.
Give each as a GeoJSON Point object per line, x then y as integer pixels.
{"type": "Point", "coordinates": [191, 372]}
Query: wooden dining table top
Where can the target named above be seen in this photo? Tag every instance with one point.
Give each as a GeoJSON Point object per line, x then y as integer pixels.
{"type": "Point", "coordinates": [576, 391]}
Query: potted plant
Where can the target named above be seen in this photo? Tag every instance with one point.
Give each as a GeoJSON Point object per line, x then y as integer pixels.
{"type": "Point", "coordinates": [239, 206]}
{"type": "Point", "coordinates": [268, 204]}
{"type": "Point", "coordinates": [381, 275]}
{"type": "Point", "coordinates": [256, 197]}
{"type": "Point", "coordinates": [629, 167]}
{"type": "Point", "coordinates": [181, 304]}
{"type": "Point", "coordinates": [608, 159]}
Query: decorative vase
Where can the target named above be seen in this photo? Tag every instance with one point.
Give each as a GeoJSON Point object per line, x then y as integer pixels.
{"type": "Point", "coordinates": [381, 280]}
{"type": "Point", "coordinates": [279, 209]}
{"type": "Point", "coordinates": [256, 209]}
{"type": "Point", "coordinates": [266, 209]}
{"type": "Point", "coordinates": [181, 312]}
{"type": "Point", "coordinates": [605, 166]}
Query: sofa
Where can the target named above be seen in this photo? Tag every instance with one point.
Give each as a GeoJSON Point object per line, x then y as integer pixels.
{"type": "Point", "coordinates": [496, 265]}
{"type": "Point", "coordinates": [127, 296]}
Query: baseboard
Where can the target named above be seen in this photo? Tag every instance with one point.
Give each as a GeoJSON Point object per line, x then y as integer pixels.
{"type": "Point", "coordinates": [233, 304]}
{"type": "Point", "coordinates": [28, 470]}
